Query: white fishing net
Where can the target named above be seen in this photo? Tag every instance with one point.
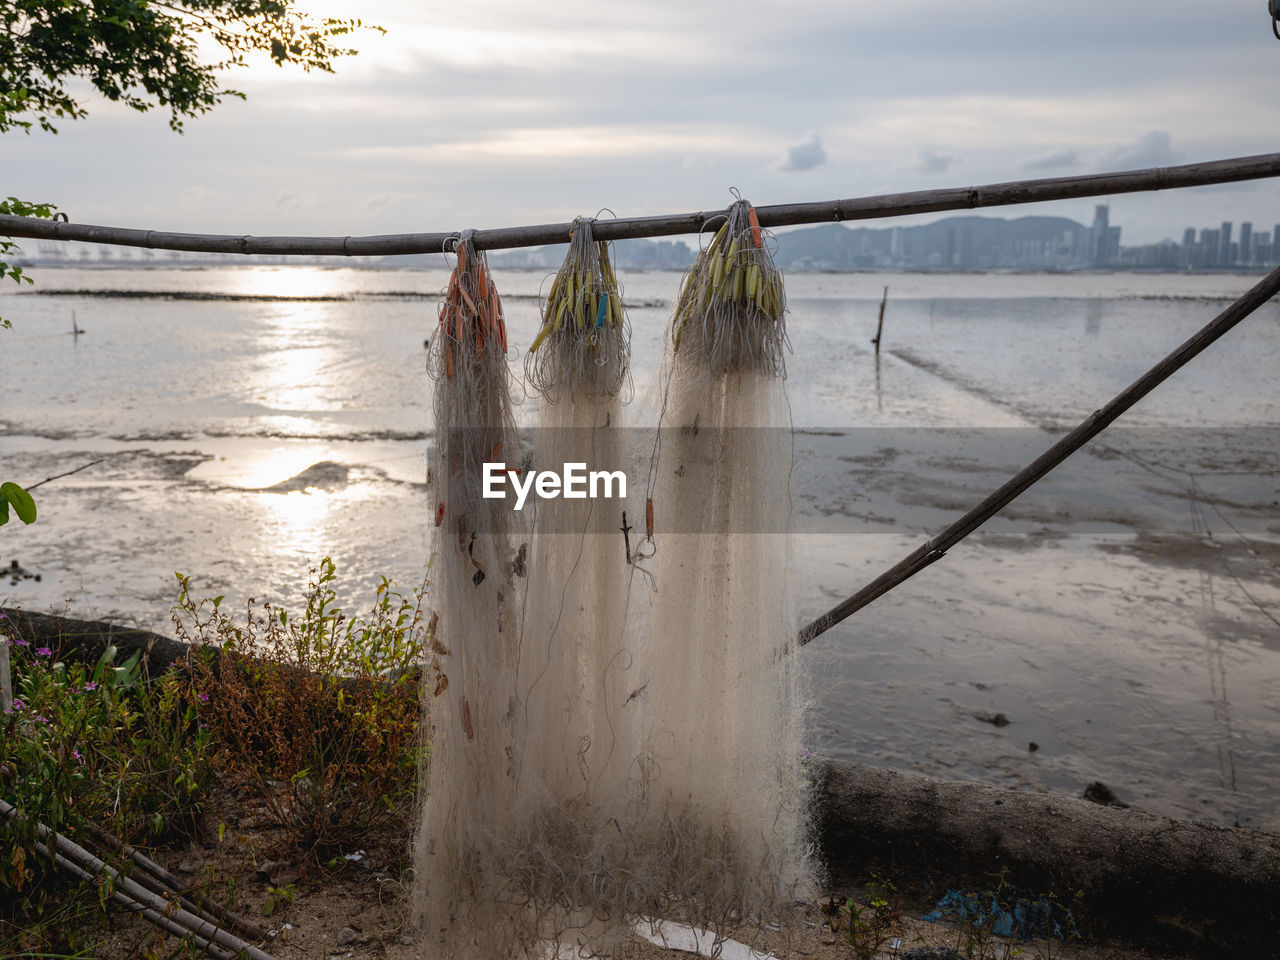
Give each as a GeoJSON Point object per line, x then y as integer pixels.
{"type": "Point", "coordinates": [624, 741]}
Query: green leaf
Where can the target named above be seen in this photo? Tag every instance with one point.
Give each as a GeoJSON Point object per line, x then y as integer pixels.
{"type": "Point", "coordinates": [104, 661]}
{"type": "Point", "coordinates": [24, 505]}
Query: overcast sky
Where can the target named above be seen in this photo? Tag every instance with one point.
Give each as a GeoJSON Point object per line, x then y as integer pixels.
{"type": "Point", "coordinates": [503, 112]}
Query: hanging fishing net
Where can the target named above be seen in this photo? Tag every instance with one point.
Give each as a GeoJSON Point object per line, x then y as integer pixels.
{"type": "Point", "coordinates": [724, 698]}
{"type": "Point", "coordinates": [640, 754]}
{"type": "Point", "coordinates": [471, 708]}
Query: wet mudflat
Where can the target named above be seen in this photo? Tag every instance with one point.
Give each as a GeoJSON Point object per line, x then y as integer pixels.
{"type": "Point", "coordinates": [1122, 617]}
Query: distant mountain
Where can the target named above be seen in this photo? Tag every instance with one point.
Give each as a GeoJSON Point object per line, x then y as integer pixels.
{"type": "Point", "coordinates": [952, 243]}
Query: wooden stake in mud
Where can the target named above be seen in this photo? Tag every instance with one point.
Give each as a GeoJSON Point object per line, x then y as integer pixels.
{"type": "Point", "coordinates": [1092, 425]}
{"type": "Point", "coordinates": [880, 324]}
{"type": "Point", "coordinates": [6, 680]}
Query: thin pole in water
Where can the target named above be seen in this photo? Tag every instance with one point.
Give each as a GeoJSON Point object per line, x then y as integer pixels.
{"type": "Point", "coordinates": [1092, 425]}
{"type": "Point", "coordinates": [880, 324]}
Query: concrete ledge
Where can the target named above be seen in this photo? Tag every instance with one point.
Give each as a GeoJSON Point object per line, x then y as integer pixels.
{"type": "Point", "coordinates": [1175, 884]}
{"type": "Point", "coordinates": [84, 640]}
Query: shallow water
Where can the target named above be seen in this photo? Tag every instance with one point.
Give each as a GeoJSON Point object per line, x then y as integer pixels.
{"type": "Point", "coordinates": [1122, 616]}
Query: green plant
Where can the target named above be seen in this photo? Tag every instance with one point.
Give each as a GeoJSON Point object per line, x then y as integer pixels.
{"type": "Point", "coordinates": [81, 750]}
{"type": "Point", "coordinates": [18, 208]}
{"type": "Point", "coordinates": [24, 507]}
{"type": "Point", "coordinates": [317, 713]}
{"type": "Point", "coordinates": [147, 53]}
{"type": "Point", "coordinates": [868, 926]}
{"type": "Point", "coordinates": [277, 897]}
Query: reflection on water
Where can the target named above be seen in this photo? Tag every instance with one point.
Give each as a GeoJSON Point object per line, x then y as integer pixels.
{"type": "Point", "coordinates": [286, 281]}
{"type": "Point", "coordinates": [299, 519]}
{"type": "Point", "coordinates": [1093, 317]}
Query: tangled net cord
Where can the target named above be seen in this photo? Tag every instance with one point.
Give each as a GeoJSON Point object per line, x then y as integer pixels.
{"type": "Point", "coordinates": [468, 362]}
{"type": "Point", "coordinates": [730, 315]}
{"type": "Point", "coordinates": [584, 344]}
{"type": "Point", "coordinates": [732, 303]}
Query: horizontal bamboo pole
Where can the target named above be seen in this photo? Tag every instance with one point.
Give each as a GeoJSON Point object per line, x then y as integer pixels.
{"type": "Point", "coordinates": [1015, 486]}
{"type": "Point", "coordinates": [788, 214]}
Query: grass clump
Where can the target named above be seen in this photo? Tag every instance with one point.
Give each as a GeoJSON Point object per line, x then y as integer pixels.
{"type": "Point", "coordinates": [867, 926]}
{"type": "Point", "coordinates": [315, 714]}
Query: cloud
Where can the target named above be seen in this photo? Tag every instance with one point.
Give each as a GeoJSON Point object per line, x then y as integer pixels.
{"type": "Point", "coordinates": [1153, 149]}
{"type": "Point", "coordinates": [1054, 158]}
{"type": "Point", "coordinates": [288, 201]}
{"type": "Point", "coordinates": [195, 196]}
{"type": "Point", "coordinates": [805, 156]}
{"type": "Point", "coordinates": [929, 160]}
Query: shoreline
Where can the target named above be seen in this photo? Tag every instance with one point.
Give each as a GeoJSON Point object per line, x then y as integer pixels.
{"type": "Point", "coordinates": [1142, 878]}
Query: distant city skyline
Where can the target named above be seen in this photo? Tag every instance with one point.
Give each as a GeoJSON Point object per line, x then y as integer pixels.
{"type": "Point", "coordinates": [964, 242]}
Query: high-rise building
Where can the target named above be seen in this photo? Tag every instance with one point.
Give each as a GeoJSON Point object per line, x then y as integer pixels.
{"type": "Point", "coordinates": [1246, 242]}
{"type": "Point", "coordinates": [1188, 258]}
{"type": "Point", "coordinates": [1224, 244]}
{"type": "Point", "coordinates": [1104, 240]}
{"type": "Point", "coordinates": [1209, 244]}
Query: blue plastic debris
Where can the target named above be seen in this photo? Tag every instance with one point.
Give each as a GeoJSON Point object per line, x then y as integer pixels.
{"type": "Point", "coordinates": [1026, 918]}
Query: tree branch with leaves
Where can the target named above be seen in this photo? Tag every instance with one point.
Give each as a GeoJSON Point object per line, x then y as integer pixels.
{"type": "Point", "coordinates": [144, 54]}
{"type": "Point", "coordinates": [147, 53]}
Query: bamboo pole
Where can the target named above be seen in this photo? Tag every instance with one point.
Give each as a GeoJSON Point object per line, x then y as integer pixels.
{"type": "Point", "coordinates": [160, 920]}
{"type": "Point", "coordinates": [1091, 426]}
{"type": "Point", "coordinates": [171, 911]}
{"type": "Point", "coordinates": [6, 678]}
{"type": "Point", "coordinates": [153, 876]}
{"type": "Point", "coordinates": [825, 211]}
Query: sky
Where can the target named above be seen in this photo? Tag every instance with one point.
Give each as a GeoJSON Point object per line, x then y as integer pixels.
{"type": "Point", "coordinates": [505, 112]}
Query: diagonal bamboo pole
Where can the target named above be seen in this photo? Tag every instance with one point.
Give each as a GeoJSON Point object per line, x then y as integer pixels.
{"type": "Point", "coordinates": [152, 916]}
{"type": "Point", "coordinates": [172, 912]}
{"type": "Point", "coordinates": [825, 211]}
{"type": "Point", "coordinates": [1095, 423]}
{"type": "Point", "coordinates": [153, 876]}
